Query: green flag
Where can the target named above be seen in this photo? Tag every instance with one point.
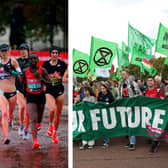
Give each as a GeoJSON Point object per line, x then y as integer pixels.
{"type": "Point", "coordinates": [135, 36]}
{"type": "Point", "coordinates": [125, 48]}
{"type": "Point", "coordinates": [118, 73]}
{"type": "Point", "coordinates": [166, 61]}
{"type": "Point", "coordinates": [137, 54]}
{"type": "Point", "coordinates": [122, 58]}
{"type": "Point", "coordinates": [162, 40]}
{"type": "Point", "coordinates": [148, 67]}
{"type": "Point", "coordinates": [80, 63]}
{"type": "Point", "coordinates": [102, 54]}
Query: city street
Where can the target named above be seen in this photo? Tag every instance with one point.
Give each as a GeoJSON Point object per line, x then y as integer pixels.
{"type": "Point", "coordinates": [19, 153]}
{"type": "Point", "coordinates": [118, 156]}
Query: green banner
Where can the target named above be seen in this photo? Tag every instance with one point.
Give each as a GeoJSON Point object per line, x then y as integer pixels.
{"type": "Point", "coordinates": [140, 116]}
{"type": "Point", "coordinates": [80, 63]}
{"type": "Point", "coordinates": [102, 54]}
{"type": "Point", "coordinates": [162, 40]}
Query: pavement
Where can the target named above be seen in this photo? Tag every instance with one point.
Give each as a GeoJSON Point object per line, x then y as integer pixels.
{"type": "Point", "coordinates": [118, 156]}
{"type": "Point", "coordinates": [19, 153]}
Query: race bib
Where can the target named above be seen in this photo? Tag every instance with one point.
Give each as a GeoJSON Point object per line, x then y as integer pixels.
{"type": "Point", "coordinates": [34, 85]}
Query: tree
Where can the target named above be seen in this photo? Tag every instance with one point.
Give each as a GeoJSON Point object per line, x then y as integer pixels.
{"type": "Point", "coordinates": [40, 20]}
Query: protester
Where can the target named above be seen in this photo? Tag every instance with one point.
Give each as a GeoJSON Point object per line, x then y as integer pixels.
{"type": "Point", "coordinates": [106, 96]}
{"type": "Point", "coordinates": [128, 88]}
{"type": "Point", "coordinates": [89, 97]}
{"type": "Point", "coordinates": [141, 85]}
{"type": "Point", "coordinates": [113, 89]}
{"type": "Point", "coordinates": [159, 84]}
{"type": "Point", "coordinates": [152, 91]}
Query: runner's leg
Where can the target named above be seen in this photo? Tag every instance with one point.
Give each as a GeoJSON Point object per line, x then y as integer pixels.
{"type": "Point", "coordinates": [40, 112]}
{"type": "Point", "coordinates": [4, 108]}
{"type": "Point", "coordinates": [52, 107]}
{"type": "Point", "coordinates": [59, 106]}
{"type": "Point", "coordinates": [22, 105]}
{"type": "Point", "coordinates": [32, 111]}
{"type": "Point", "coordinates": [26, 115]}
{"type": "Point", "coordinates": [12, 104]}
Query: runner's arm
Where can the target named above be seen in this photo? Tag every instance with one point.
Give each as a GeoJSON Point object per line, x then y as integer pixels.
{"type": "Point", "coordinates": [18, 70]}
{"type": "Point", "coordinates": [65, 77]}
{"type": "Point", "coordinates": [44, 78]}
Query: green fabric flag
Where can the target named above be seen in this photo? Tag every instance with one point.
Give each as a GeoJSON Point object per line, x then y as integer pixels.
{"type": "Point", "coordinates": [135, 36]}
{"type": "Point", "coordinates": [152, 70]}
{"type": "Point", "coordinates": [122, 58]}
{"type": "Point", "coordinates": [125, 48]}
{"type": "Point", "coordinates": [162, 40]}
{"type": "Point", "coordinates": [140, 116]}
{"type": "Point", "coordinates": [118, 73]}
{"type": "Point", "coordinates": [138, 54]}
{"type": "Point", "coordinates": [102, 54]}
{"type": "Point", "coordinates": [114, 77]}
{"type": "Point", "coordinates": [166, 61]}
{"type": "Point", "coordinates": [80, 63]}
{"type": "Point", "coordinates": [148, 67]}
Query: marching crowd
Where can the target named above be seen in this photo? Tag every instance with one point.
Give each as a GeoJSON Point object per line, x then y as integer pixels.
{"type": "Point", "coordinates": [31, 85]}
{"type": "Point", "coordinates": [108, 91]}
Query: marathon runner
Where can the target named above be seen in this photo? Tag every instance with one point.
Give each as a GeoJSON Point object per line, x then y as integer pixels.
{"type": "Point", "coordinates": [9, 68]}
{"type": "Point", "coordinates": [58, 73]}
{"type": "Point", "coordinates": [21, 93]}
{"type": "Point", "coordinates": [35, 78]}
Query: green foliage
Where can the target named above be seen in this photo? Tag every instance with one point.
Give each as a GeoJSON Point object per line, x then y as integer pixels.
{"type": "Point", "coordinates": [37, 14]}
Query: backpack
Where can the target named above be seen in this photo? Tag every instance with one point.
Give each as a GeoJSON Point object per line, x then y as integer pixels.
{"type": "Point", "coordinates": [158, 91]}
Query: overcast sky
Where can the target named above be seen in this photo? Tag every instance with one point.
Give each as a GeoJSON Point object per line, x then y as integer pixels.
{"type": "Point", "coordinates": [108, 19]}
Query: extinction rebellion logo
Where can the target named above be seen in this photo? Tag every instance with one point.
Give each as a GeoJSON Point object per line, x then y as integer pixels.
{"type": "Point", "coordinates": [80, 66]}
{"type": "Point", "coordinates": [103, 56]}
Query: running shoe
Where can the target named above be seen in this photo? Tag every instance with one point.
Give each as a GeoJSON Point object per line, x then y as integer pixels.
{"type": "Point", "coordinates": [10, 125]}
{"type": "Point", "coordinates": [55, 138]}
{"type": "Point", "coordinates": [21, 131]}
{"type": "Point", "coordinates": [25, 134]}
{"type": "Point", "coordinates": [38, 125]}
{"type": "Point", "coordinates": [50, 130]}
{"type": "Point", "coordinates": [36, 145]}
{"type": "Point", "coordinates": [6, 141]}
